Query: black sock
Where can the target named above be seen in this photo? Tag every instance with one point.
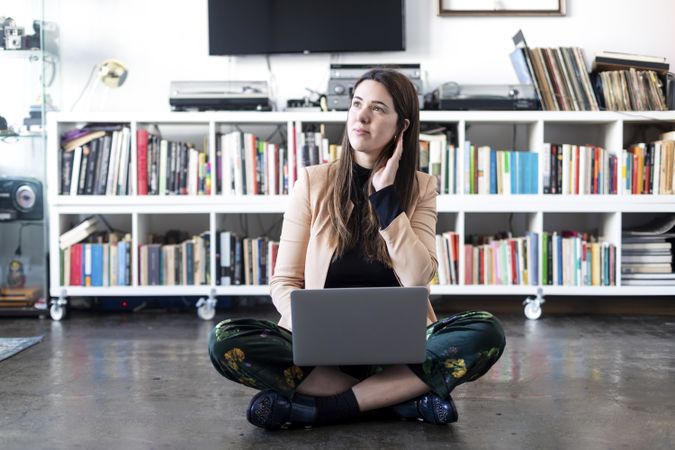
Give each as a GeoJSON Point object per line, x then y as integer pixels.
{"type": "Point", "coordinates": [336, 408]}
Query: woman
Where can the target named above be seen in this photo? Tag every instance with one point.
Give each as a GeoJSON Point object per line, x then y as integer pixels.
{"type": "Point", "coordinates": [369, 219]}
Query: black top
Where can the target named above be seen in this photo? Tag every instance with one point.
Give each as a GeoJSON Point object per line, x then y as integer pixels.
{"type": "Point", "coordinates": [353, 269]}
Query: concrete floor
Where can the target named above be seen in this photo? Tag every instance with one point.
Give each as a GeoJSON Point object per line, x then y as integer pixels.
{"type": "Point", "coordinates": [144, 380]}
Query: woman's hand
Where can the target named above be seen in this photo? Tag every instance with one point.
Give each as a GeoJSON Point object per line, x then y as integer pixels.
{"type": "Point", "coordinates": [386, 175]}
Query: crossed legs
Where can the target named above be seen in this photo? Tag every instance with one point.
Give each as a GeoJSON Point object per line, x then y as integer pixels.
{"type": "Point", "coordinates": [393, 385]}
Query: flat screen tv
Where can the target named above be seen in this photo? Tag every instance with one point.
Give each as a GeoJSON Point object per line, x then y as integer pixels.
{"type": "Point", "coordinates": [245, 27]}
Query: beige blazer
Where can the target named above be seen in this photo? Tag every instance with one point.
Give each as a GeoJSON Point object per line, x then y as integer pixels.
{"type": "Point", "coordinates": [308, 240]}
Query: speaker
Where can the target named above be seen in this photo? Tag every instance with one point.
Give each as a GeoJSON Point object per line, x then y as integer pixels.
{"type": "Point", "coordinates": [20, 199]}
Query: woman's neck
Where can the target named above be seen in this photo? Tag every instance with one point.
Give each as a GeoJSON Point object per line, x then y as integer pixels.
{"type": "Point", "coordinates": [363, 160]}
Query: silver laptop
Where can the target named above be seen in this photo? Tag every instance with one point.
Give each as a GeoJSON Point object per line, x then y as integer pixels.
{"type": "Point", "coordinates": [347, 326]}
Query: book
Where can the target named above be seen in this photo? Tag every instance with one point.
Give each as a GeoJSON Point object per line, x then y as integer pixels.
{"type": "Point", "coordinates": [647, 268]}
{"type": "Point", "coordinates": [649, 282]}
{"type": "Point", "coordinates": [78, 233]}
{"type": "Point", "coordinates": [81, 139]}
{"type": "Point", "coordinates": [647, 246]}
{"type": "Point", "coordinates": [647, 276]}
{"type": "Point", "coordinates": [627, 259]}
{"type": "Point", "coordinates": [142, 160]}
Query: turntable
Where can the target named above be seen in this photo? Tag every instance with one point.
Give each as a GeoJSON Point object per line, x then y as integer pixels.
{"type": "Point", "coordinates": [453, 96]}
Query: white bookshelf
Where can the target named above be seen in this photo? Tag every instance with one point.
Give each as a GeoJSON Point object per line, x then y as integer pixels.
{"type": "Point", "coordinates": [527, 130]}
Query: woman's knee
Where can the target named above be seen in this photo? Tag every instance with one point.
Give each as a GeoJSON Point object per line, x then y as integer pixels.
{"type": "Point", "coordinates": [232, 333]}
{"type": "Point", "coordinates": [470, 331]}
{"type": "Point", "coordinates": [494, 334]}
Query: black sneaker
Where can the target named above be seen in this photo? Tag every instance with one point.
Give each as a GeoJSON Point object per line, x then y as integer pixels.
{"type": "Point", "coordinates": [272, 411]}
{"type": "Point", "coordinates": [428, 408]}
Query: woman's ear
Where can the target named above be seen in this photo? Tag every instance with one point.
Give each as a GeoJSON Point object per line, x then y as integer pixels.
{"type": "Point", "coordinates": [406, 124]}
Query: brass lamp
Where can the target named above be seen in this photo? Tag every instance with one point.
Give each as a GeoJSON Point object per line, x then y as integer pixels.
{"type": "Point", "coordinates": [112, 73]}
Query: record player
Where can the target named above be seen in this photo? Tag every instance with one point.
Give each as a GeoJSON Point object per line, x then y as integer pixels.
{"type": "Point", "coordinates": [453, 96]}
{"type": "Point", "coordinates": [219, 95]}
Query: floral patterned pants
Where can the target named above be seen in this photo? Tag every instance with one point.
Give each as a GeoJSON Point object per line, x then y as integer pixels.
{"type": "Point", "coordinates": [258, 353]}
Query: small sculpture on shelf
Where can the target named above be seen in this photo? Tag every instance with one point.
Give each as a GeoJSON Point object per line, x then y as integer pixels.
{"type": "Point", "coordinates": [16, 279]}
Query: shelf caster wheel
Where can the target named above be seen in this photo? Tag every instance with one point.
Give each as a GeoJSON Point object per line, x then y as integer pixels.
{"type": "Point", "coordinates": [533, 306]}
{"type": "Point", "coordinates": [206, 308]}
{"type": "Point", "coordinates": [57, 310]}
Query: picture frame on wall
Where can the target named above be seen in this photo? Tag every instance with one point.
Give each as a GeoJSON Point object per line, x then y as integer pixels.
{"type": "Point", "coordinates": [501, 7]}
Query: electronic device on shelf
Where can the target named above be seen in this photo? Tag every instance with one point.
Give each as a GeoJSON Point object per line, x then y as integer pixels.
{"type": "Point", "coordinates": [20, 199]}
{"type": "Point", "coordinates": [486, 97]}
{"type": "Point", "coordinates": [219, 95]}
{"type": "Point", "coordinates": [344, 76]}
{"type": "Point", "coordinates": [304, 104]}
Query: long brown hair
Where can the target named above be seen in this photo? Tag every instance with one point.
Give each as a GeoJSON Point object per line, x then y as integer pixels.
{"type": "Point", "coordinates": [340, 192]}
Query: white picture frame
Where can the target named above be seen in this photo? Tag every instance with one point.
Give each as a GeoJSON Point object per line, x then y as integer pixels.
{"type": "Point", "coordinates": [501, 7]}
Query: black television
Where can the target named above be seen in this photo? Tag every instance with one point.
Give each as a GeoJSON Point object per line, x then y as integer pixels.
{"type": "Point", "coordinates": [248, 27]}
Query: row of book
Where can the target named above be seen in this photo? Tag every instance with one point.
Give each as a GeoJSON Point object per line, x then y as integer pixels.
{"type": "Point", "coordinates": [567, 258]}
{"type": "Point", "coordinates": [572, 258]}
{"type": "Point", "coordinates": [649, 168]}
{"type": "Point", "coordinates": [95, 161]}
{"type": "Point", "coordinates": [559, 76]}
{"type": "Point", "coordinates": [244, 261]}
{"type": "Point", "coordinates": [97, 264]}
{"type": "Point", "coordinates": [248, 165]}
{"type": "Point", "coordinates": [501, 259]}
{"type": "Point", "coordinates": [490, 171]}
{"type": "Point", "coordinates": [632, 90]}
{"type": "Point", "coordinates": [439, 158]}
{"type": "Point", "coordinates": [578, 169]}
{"type": "Point", "coordinates": [447, 254]}
{"type": "Point", "coordinates": [184, 263]}
{"type": "Point", "coordinates": [167, 167]}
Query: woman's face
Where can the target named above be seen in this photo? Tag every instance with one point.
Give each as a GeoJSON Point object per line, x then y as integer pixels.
{"type": "Point", "coordinates": [371, 123]}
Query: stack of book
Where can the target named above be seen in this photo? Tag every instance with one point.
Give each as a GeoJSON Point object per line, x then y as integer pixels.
{"type": "Point", "coordinates": [95, 161]}
{"type": "Point", "coordinates": [439, 158]}
{"type": "Point", "coordinates": [649, 168]}
{"type": "Point", "coordinates": [559, 76]}
{"type": "Point", "coordinates": [244, 261]}
{"type": "Point", "coordinates": [170, 167]}
{"type": "Point", "coordinates": [502, 259]}
{"type": "Point", "coordinates": [573, 258]}
{"type": "Point", "coordinates": [490, 171]}
{"type": "Point", "coordinates": [631, 82]}
{"type": "Point", "coordinates": [647, 253]}
{"type": "Point", "coordinates": [578, 169]}
{"type": "Point", "coordinates": [447, 254]}
{"type": "Point", "coordinates": [182, 263]}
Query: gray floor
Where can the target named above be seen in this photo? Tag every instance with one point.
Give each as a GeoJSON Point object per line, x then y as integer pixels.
{"type": "Point", "coordinates": [137, 381]}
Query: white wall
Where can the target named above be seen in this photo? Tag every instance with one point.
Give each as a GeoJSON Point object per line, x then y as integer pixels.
{"type": "Point", "coordinates": [162, 41]}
